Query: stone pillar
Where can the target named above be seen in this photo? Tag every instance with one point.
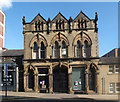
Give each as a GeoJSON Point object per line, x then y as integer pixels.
{"type": "Point", "coordinates": [70, 80]}
{"type": "Point", "coordinates": [25, 82]}
{"type": "Point", "coordinates": [97, 82]}
{"type": "Point", "coordinates": [50, 80]}
{"type": "Point", "coordinates": [36, 82]}
{"type": "Point", "coordinates": [86, 82]}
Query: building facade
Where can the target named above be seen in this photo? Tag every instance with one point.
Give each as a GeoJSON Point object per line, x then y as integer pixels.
{"type": "Point", "coordinates": [110, 72]}
{"type": "Point", "coordinates": [61, 55]}
{"type": "Point", "coordinates": [2, 29]}
{"type": "Point", "coordinates": [12, 66]}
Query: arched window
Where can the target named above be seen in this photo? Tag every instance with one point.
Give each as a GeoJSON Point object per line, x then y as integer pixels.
{"type": "Point", "coordinates": [64, 50]}
{"type": "Point", "coordinates": [35, 51]}
{"type": "Point", "coordinates": [42, 51]}
{"type": "Point", "coordinates": [79, 49]}
{"type": "Point", "coordinates": [91, 75]}
{"type": "Point", "coordinates": [35, 48]}
{"type": "Point", "coordinates": [86, 49]}
{"type": "Point", "coordinates": [56, 50]}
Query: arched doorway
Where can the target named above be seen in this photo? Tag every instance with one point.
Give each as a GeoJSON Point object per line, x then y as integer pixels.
{"type": "Point", "coordinates": [30, 79]}
{"type": "Point", "coordinates": [92, 78]}
{"type": "Point", "coordinates": [60, 79]}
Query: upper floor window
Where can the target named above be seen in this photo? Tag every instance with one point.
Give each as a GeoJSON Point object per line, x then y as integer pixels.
{"type": "Point", "coordinates": [35, 51]}
{"type": "Point", "coordinates": [79, 49]}
{"type": "Point", "coordinates": [56, 50]}
{"type": "Point", "coordinates": [111, 69]}
{"type": "Point", "coordinates": [42, 50]}
{"type": "Point", "coordinates": [64, 50]}
{"type": "Point", "coordinates": [35, 48]}
{"type": "Point", "coordinates": [117, 69]}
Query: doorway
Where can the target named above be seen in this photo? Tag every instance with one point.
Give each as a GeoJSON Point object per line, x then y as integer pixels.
{"type": "Point", "coordinates": [60, 79]}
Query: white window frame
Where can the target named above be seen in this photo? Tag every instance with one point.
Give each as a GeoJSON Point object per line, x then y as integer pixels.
{"type": "Point", "coordinates": [112, 68]}
{"type": "Point", "coordinates": [117, 68]}
{"type": "Point", "coordinates": [112, 87]}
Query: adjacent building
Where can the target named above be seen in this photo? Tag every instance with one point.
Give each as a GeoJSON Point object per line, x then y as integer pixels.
{"type": "Point", "coordinates": [2, 29]}
{"type": "Point", "coordinates": [110, 71]}
{"type": "Point", "coordinates": [12, 66]}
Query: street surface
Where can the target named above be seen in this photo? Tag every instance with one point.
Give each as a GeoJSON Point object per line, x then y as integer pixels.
{"type": "Point", "coordinates": [55, 97]}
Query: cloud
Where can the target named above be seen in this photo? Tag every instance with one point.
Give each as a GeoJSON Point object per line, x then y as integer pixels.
{"type": "Point", "coordinates": [5, 4]}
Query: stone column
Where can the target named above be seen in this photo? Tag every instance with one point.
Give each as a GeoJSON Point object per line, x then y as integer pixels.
{"type": "Point", "coordinates": [97, 82]}
{"type": "Point", "coordinates": [70, 80]}
{"type": "Point", "coordinates": [25, 82]}
{"type": "Point", "coordinates": [50, 80]}
{"type": "Point", "coordinates": [36, 82]}
{"type": "Point", "coordinates": [86, 82]}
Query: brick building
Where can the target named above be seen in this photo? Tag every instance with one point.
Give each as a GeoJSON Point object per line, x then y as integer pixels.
{"type": "Point", "coordinates": [2, 29]}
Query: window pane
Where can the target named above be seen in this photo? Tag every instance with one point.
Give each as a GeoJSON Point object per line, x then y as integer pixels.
{"type": "Point", "coordinates": [111, 68]}
{"type": "Point", "coordinates": [117, 68]}
{"type": "Point", "coordinates": [112, 87]}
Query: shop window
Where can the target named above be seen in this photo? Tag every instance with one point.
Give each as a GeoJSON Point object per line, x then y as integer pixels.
{"type": "Point", "coordinates": [111, 69]}
{"type": "Point", "coordinates": [56, 50]}
{"type": "Point", "coordinates": [43, 79]}
{"type": "Point", "coordinates": [64, 50]}
{"type": "Point", "coordinates": [117, 87]}
{"type": "Point", "coordinates": [111, 87]}
{"type": "Point", "coordinates": [42, 50]}
{"type": "Point", "coordinates": [35, 51]}
{"type": "Point", "coordinates": [116, 69]}
{"type": "Point", "coordinates": [79, 49]}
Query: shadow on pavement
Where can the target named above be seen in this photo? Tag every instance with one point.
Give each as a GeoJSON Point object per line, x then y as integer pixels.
{"type": "Point", "coordinates": [33, 99]}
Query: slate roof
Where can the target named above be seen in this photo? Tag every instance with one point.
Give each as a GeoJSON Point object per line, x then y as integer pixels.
{"type": "Point", "coordinates": [109, 60]}
{"type": "Point", "coordinates": [12, 53]}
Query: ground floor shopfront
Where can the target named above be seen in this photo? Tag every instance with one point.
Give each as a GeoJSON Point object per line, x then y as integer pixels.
{"type": "Point", "coordinates": [61, 77]}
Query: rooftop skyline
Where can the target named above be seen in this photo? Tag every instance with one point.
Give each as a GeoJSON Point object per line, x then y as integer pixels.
{"type": "Point", "coordinates": [107, 20]}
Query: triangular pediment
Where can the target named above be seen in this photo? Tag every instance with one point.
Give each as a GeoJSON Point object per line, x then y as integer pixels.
{"type": "Point", "coordinates": [37, 18]}
{"type": "Point", "coordinates": [81, 15]}
{"type": "Point", "coordinates": [59, 17]}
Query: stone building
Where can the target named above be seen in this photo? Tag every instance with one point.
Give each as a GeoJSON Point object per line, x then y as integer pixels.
{"type": "Point", "coordinates": [61, 55]}
{"type": "Point", "coordinates": [109, 72]}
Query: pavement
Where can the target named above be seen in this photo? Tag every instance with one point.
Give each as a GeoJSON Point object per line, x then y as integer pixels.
{"type": "Point", "coordinates": [26, 95]}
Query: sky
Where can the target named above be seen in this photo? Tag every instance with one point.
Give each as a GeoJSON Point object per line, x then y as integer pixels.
{"type": "Point", "coordinates": [107, 20]}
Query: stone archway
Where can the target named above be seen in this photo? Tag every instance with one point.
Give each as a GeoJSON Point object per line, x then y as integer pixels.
{"type": "Point", "coordinates": [92, 80]}
{"type": "Point", "coordinates": [60, 79]}
{"type": "Point", "coordinates": [30, 79]}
